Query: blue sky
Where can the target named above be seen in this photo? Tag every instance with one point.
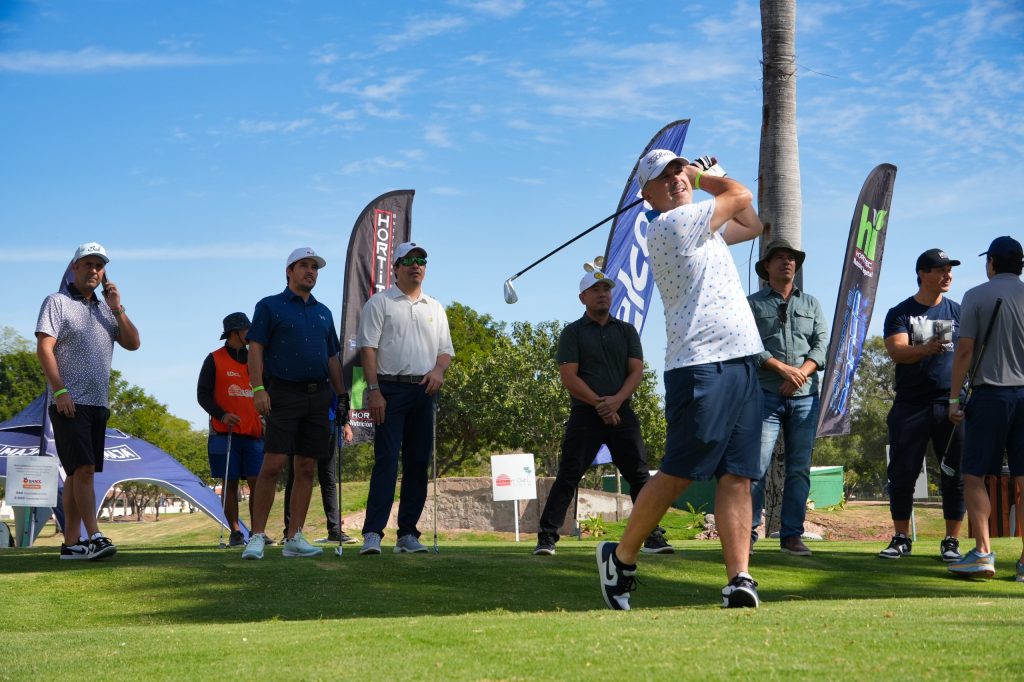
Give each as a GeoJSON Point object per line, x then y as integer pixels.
{"type": "Point", "coordinates": [201, 141]}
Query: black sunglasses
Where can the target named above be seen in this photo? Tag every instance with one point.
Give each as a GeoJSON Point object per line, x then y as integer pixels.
{"type": "Point", "coordinates": [410, 260]}
{"type": "Point", "coordinates": [783, 310]}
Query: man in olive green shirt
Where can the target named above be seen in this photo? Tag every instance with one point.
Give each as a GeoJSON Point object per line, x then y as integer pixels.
{"type": "Point", "coordinates": [793, 332]}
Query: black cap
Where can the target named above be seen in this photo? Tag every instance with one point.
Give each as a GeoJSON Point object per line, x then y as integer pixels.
{"type": "Point", "coordinates": [933, 258]}
{"type": "Point", "coordinates": [1004, 247]}
{"type": "Point", "coordinates": [234, 322]}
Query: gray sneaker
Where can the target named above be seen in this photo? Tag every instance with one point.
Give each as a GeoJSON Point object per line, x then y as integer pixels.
{"type": "Point", "coordinates": [299, 546]}
{"type": "Point", "coordinates": [409, 544]}
{"type": "Point", "coordinates": [371, 543]}
{"type": "Point", "coordinates": [254, 548]}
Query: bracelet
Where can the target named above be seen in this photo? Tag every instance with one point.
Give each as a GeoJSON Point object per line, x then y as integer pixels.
{"type": "Point", "coordinates": [118, 311]}
{"type": "Point", "coordinates": [60, 392]}
{"type": "Point", "coordinates": [954, 401]}
{"type": "Point", "coordinates": [696, 181]}
{"type": "Point", "coordinates": [258, 388]}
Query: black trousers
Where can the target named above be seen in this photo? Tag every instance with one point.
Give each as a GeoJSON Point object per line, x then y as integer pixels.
{"type": "Point", "coordinates": [584, 434]}
{"type": "Point", "coordinates": [911, 427]}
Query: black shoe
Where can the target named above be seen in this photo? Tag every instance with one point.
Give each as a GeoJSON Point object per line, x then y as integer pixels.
{"type": "Point", "coordinates": [101, 548]}
{"type": "Point", "coordinates": [741, 592]}
{"type": "Point", "coordinates": [899, 546]}
{"type": "Point", "coordinates": [617, 580]}
{"type": "Point", "coordinates": [79, 550]}
{"type": "Point", "coordinates": [236, 539]}
{"type": "Point", "coordinates": [794, 545]}
{"type": "Point", "coordinates": [949, 550]}
{"type": "Point", "coordinates": [656, 543]}
{"type": "Point", "coordinates": [338, 538]}
{"type": "Point", "coordinates": [545, 544]}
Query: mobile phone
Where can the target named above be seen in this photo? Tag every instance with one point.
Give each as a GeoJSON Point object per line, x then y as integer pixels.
{"type": "Point", "coordinates": [104, 284]}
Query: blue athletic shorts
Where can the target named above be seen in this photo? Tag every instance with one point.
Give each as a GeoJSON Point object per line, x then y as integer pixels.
{"type": "Point", "coordinates": [246, 456]}
{"type": "Point", "coordinates": [714, 420]}
{"type": "Point", "coordinates": [994, 427]}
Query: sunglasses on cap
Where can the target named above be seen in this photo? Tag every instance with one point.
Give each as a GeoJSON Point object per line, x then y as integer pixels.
{"type": "Point", "coordinates": [412, 260]}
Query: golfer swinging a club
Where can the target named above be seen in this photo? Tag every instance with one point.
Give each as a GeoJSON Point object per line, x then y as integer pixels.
{"type": "Point", "coordinates": [712, 394]}
{"type": "Point", "coordinates": [405, 347]}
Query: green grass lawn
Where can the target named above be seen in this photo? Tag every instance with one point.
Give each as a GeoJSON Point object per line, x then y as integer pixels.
{"type": "Point", "coordinates": [172, 606]}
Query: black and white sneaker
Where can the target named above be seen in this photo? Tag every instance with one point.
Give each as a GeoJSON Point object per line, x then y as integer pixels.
{"type": "Point", "coordinates": [101, 547]}
{"type": "Point", "coordinates": [900, 545]}
{"type": "Point", "coordinates": [617, 579]}
{"type": "Point", "coordinates": [545, 544]}
{"type": "Point", "coordinates": [656, 543]}
{"type": "Point", "coordinates": [741, 592]}
{"type": "Point", "coordinates": [79, 550]}
{"type": "Point", "coordinates": [949, 550]}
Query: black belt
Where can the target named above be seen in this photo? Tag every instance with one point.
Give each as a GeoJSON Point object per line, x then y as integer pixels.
{"type": "Point", "coordinates": [299, 386]}
{"type": "Point", "coordinates": [401, 378]}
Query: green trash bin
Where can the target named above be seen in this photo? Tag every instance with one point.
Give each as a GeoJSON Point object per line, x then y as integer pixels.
{"type": "Point", "coordinates": [826, 486]}
{"type": "Point", "coordinates": [699, 493]}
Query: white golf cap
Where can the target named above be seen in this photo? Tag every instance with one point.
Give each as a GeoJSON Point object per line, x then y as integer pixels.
{"type": "Point", "coordinates": [405, 248]}
{"type": "Point", "coordinates": [654, 162]}
{"type": "Point", "coordinates": [91, 249]}
{"type": "Point", "coordinates": [305, 252]}
{"type": "Point", "coordinates": [595, 277]}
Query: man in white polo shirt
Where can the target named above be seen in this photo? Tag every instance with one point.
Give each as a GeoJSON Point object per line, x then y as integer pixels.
{"type": "Point", "coordinates": [712, 394]}
{"type": "Point", "coordinates": [405, 347]}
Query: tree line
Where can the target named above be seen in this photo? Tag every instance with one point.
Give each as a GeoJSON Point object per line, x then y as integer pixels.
{"type": "Point", "coordinates": [502, 394]}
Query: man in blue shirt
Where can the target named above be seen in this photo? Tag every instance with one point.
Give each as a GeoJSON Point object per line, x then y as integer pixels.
{"type": "Point", "coordinates": [793, 332]}
{"type": "Point", "coordinates": [919, 335]}
{"type": "Point", "coordinates": [293, 350]}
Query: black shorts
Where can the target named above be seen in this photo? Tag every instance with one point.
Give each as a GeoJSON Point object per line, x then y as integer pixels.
{"type": "Point", "coordinates": [80, 439]}
{"type": "Point", "coordinates": [299, 422]}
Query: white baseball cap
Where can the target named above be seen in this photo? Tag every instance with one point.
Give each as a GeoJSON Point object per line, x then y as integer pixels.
{"type": "Point", "coordinates": [305, 252]}
{"type": "Point", "coordinates": [91, 249]}
{"type": "Point", "coordinates": [405, 248]}
{"type": "Point", "coordinates": [654, 162]}
{"type": "Point", "coordinates": [594, 277]}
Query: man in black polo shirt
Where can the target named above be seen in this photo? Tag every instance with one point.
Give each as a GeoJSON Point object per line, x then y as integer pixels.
{"type": "Point", "coordinates": [602, 364]}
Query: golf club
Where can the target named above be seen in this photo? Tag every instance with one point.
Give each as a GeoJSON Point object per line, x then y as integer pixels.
{"type": "Point", "coordinates": [946, 469]}
{"type": "Point", "coordinates": [339, 434]}
{"type": "Point", "coordinates": [510, 292]}
{"type": "Point", "coordinates": [224, 489]}
{"type": "Point", "coordinates": [433, 448]}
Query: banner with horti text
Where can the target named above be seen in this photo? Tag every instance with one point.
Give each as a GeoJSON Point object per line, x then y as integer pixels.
{"type": "Point", "coordinates": [626, 258]}
{"type": "Point", "coordinates": [385, 223]}
{"type": "Point", "coordinates": [861, 269]}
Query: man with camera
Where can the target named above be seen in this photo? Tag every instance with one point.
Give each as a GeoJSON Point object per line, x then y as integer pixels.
{"type": "Point", "coordinates": [920, 334]}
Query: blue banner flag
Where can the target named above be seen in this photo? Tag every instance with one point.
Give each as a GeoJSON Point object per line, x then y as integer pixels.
{"type": "Point", "coordinates": [625, 258]}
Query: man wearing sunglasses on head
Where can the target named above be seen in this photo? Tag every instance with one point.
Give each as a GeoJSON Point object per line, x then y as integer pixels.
{"type": "Point", "coordinates": [792, 329]}
{"type": "Point", "coordinates": [405, 347]}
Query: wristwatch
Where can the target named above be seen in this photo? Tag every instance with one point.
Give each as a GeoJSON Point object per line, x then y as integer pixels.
{"type": "Point", "coordinates": [373, 387]}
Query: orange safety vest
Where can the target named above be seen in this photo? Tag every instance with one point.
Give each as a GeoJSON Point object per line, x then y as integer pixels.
{"type": "Point", "coordinates": [233, 392]}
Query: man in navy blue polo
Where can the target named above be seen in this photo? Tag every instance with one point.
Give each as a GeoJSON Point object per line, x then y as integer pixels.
{"type": "Point", "coordinates": [293, 351]}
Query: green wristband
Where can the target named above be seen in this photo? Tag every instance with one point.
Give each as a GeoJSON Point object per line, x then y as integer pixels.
{"type": "Point", "coordinates": [60, 392]}
{"type": "Point", "coordinates": [954, 401]}
{"type": "Point", "coordinates": [696, 181]}
{"type": "Point", "coordinates": [258, 388]}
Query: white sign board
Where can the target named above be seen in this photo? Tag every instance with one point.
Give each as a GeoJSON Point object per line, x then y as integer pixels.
{"type": "Point", "coordinates": [32, 481]}
{"type": "Point", "coordinates": [513, 477]}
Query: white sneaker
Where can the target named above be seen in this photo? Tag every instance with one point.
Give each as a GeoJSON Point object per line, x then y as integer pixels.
{"type": "Point", "coordinates": [371, 543]}
{"type": "Point", "coordinates": [254, 548]}
{"type": "Point", "coordinates": [409, 543]}
{"type": "Point", "coordinates": [299, 546]}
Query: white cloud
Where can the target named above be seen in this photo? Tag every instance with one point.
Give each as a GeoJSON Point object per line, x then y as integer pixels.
{"type": "Point", "coordinates": [373, 165]}
{"type": "Point", "coordinates": [97, 60]}
{"type": "Point", "coordinates": [437, 136]}
{"type": "Point", "coordinates": [448, 191]}
{"type": "Point", "coordinates": [501, 9]}
{"type": "Point", "coordinates": [259, 127]}
{"type": "Point", "coordinates": [417, 29]}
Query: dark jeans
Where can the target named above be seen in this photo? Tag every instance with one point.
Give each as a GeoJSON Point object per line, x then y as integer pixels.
{"type": "Point", "coordinates": [325, 472]}
{"type": "Point", "coordinates": [584, 434]}
{"type": "Point", "coordinates": [408, 428]}
{"type": "Point", "coordinates": [911, 427]}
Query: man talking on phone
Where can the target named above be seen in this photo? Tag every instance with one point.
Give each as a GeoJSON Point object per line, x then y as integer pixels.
{"type": "Point", "coordinates": [75, 336]}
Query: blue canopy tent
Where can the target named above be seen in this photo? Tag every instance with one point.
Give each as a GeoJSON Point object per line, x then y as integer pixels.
{"type": "Point", "coordinates": [125, 458]}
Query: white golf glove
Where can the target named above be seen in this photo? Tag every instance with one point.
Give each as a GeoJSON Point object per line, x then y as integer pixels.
{"type": "Point", "coordinates": [708, 165]}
